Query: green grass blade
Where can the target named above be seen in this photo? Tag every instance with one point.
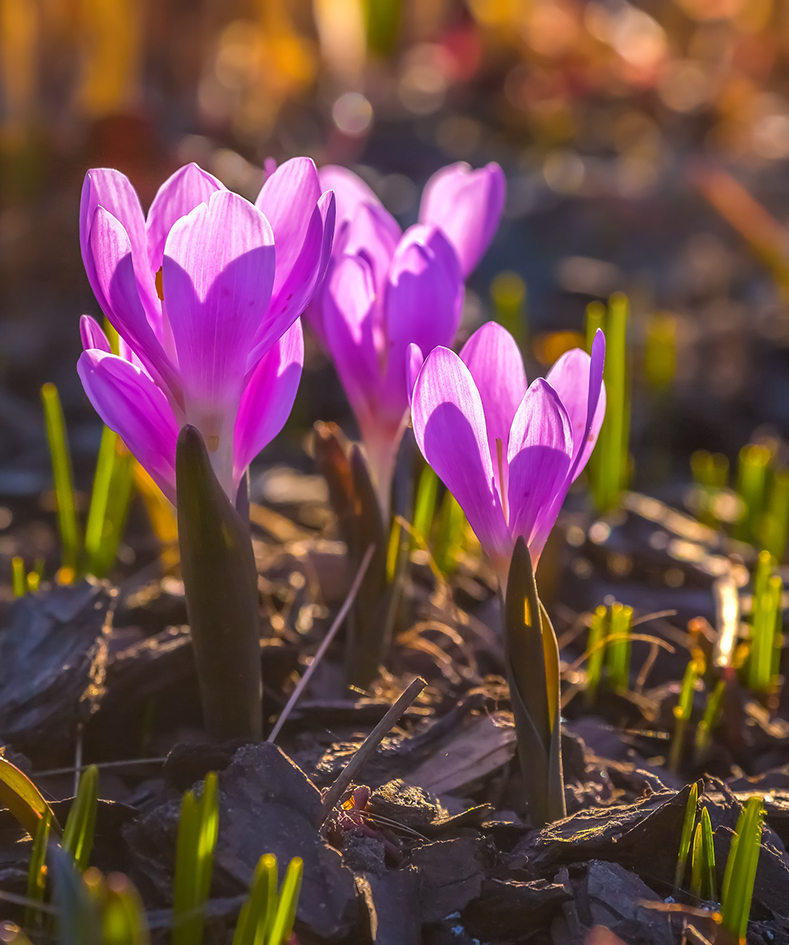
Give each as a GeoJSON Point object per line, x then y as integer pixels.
{"type": "Point", "coordinates": [117, 510]}
{"type": "Point", "coordinates": [697, 864]}
{"type": "Point", "coordinates": [70, 540]}
{"type": "Point", "coordinates": [81, 822]}
{"type": "Point", "coordinates": [660, 355]}
{"type": "Point", "coordinates": [23, 799]}
{"type": "Point", "coordinates": [741, 869]}
{"type": "Point", "coordinates": [425, 504]}
{"type": "Point", "coordinates": [709, 883]}
{"type": "Point", "coordinates": [99, 498]}
{"type": "Point", "coordinates": [595, 651]}
{"type": "Point", "coordinates": [124, 916]}
{"type": "Point", "coordinates": [20, 578]}
{"type": "Point", "coordinates": [78, 908]}
{"type": "Point", "coordinates": [194, 858]}
{"type": "Point", "coordinates": [686, 837]}
{"type": "Point", "coordinates": [712, 711]}
{"type": "Point", "coordinates": [393, 550]}
{"type": "Point", "coordinates": [257, 913]}
{"type": "Point", "coordinates": [751, 485]}
{"type": "Point", "coordinates": [776, 518]}
{"type": "Point", "coordinates": [618, 650]}
{"type": "Point", "coordinates": [682, 713]}
{"type": "Point", "coordinates": [450, 537]}
{"type": "Point", "coordinates": [282, 925]}
{"type": "Point", "coordinates": [207, 835]}
{"type": "Point", "coordinates": [37, 874]}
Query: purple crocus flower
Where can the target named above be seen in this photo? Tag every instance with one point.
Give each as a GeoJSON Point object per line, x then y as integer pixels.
{"type": "Point", "coordinates": [508, 451]}
{"type": "Point", "coordinates": [205, 294]}
{"type": "Point", "coordinates": [386, 290]}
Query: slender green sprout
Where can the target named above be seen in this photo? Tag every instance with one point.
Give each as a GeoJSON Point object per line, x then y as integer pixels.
{"type": "Point", "coordinates": [741, 865]}
{"type": "Point", "coordinates": [595, 651]}
{"type": "Point", "coordinates": [285, 916]}
{"type": "Point", "coordinates": [37, 872]}
{"type": "Point", "coordinates": [508, 295]}
{"type": "Point", "coordinates": [617, 652]}
{"type": "Point", "coordinates": [70, 539]}
{"type": "Point", "coordinates": [608, 473]}
{"type": "Point", "coordinates": [194, 859]}
{"type": "Point", "coordinates": [33, 581]}
{"type": "Point", "coordinates": [20, 578]}
{"type": "Point", "coordinates": [682, 713]}
{"type": "Point", "coordinates": [775, 525]}
{"type": "Point", "coordinates": [425, 504]}
{"type": "Point", "coordinates": [660, 355]}
{"type": "Point", "coordinates": [686, 837]}
{"type": "Point", "coordinates": [81, 822]}
{"type": "Point", "coordinates": [257, 913]}
{"type": "Point", "coordinates": [123, 921]}
{"type": "Point", "coordinates": [109, 503]}
{"type": "Point", "coordinates": [709, 720]}
{"type": "Point", "coordinates": [703, 884]}
{"type": "Point", "coordinates": [450, 534]}
{"type": "Point", "coordinates": [751, 487]}
{"type": "Point", "coordinates": [765, 626]}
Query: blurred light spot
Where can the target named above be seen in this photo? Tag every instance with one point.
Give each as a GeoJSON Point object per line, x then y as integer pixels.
{"type": "Point", "coordinates": [636, 36]}
{"type": "Point", "coordinates": [236, 58]}
{"type": "Point", "coordinates": [551, 28]}
{"type": "Point", "coordinates": [398, 193]}
{"type": "Point", "coordinates": [770, 135]}
{"type": "Point", "coordinates": [575, 536]}
{"type": "Point", "coordinates": [599, 532]}
{"type": "Point", "coordinates": [582, 567]}
{"type": "Point", "coordinates": [352, 114]}
{"type": "Point", "coordinates": [236, 173]}
{"type": "Point", "coordinates": [423, 83]}
{"type": "Point", "coordinates": [459, 135]}
{"type": "Point", "coordinates": [563, 171]}
{"type": "Point", "coordinates": [6, 517]}
{"type": "Point", "coordinates": [685, 86]}
{"type": "Point", "coordinates": [659, 540]}
{"type": "Point", "coordinates": [588, 276]}
{"type": "Point", "coordinates": [674, 577]}
{"type": "Point", "coordinates": [549, 346]}
{"type": "Point", "coordinates": [619, 564]}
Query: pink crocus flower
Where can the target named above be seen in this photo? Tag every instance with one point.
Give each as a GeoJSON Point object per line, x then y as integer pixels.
{"type": "Point", "coordinates": [205, 294]}
{"type": "Point", "coordinates": [386, 290]}
{"type": "Point", "coordinates": [508, 451]}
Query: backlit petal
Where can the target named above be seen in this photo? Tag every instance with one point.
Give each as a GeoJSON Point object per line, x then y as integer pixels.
{"type": "Point", "coordinates": [92, 335]}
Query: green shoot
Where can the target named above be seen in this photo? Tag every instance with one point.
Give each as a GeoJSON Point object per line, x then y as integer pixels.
{"type": "Point", "coordinates": [37, 872]}
{"type": "Point", "coordinates": [617, 651]}
{"type": "Point", "coordinates": [508, 295]}
{"type": "Point", "coordinates": [702, 883]}
{"type": "Point", "coordinates": [393, 550]}
{"type": "Point", "coordinates": [709, 720]}
{"type": "Point", "coordinates": [595, 651]}
{"type": "Point", "coordinates": [751, 487]}
{"type": "Point", "coordinates": [686, 837]}
{"type": "Point", "coordinates": [682, 713]}
{"type": "Point", "coordinates": [257, 913]}
{"type": "Point", "coordinates": [450, 537]}
{"type": "Point", "coordinates": [109, 503]}
{"type": "Point", "coordinates": [194, 859]}
{"type": "Point", "coordinates": [123, 922]}
{"type": "Point", "coordinates": [20, 578]}
{"type": "Point", "coordinates": [285, 916]}
{"type": "Point", "coordinates": [70, 540]}
{"type": "Point", "coordinates": [775, 524]}
{"type": "Point", "coordinates": [22, 798]}
{"type": "Point", "coordinates": [81, 821]}
{"type": "Point", "coordinates": [765, 625]}
{"type": "Point", "coordinates": [608, 473]}
{"type": "Point", "coordinates": [33, 581]}
{"type": "Point", "coordinates": [741, 866]}
{"type": "Point", "coordinates": [709, 470]}
{"type": "Point", "coordinates": [660, 355]}
{"type": "Point", "coordinates": [425, 504]}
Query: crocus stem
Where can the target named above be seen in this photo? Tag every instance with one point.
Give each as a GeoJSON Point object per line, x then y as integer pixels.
{"type": "Point", "coordinates": [220, 585]}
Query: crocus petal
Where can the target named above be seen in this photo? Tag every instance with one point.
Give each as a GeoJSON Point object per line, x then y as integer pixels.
{"type": "Point", "coordinates": [349, 299]}
{"type": "Point", "coordinates": [578, 380]}
{"type": "Point", "coordinates": [129, 402]}
{"type": "Point", "coordinates": [119, 288]}
{"type": "Point", "coordinates": [449, 426]}
{"type": "Point", "coordinates": [539, 457]}
{"type": "Point", "coordinates": [184, 190]}
{"type": "Point", "coordinates": [422, 303]}
{"type": "Point", "coordinates": [218, 270]}
{"type": "Point", "coordinates": [268, 398]}
{"type": "Point", "coordinates": [92, 334]}
{"type": "Point", "coordinates": [467, 205]}
{"type": "Point", "coordinates": [371, 231]}
{"type": "Point", "coordinates": [496, 364]}
{"type": "Point", "coordinates": [349, 190]}
{"type": "Point", "coordinates": [413, 365]}
{"type": "Point", "coordinates": [107, 188]}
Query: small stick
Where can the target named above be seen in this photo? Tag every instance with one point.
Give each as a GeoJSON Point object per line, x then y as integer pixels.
{"type": "Point", "coordinates": [369, 745]}
{"type": "Point", "coordinates": [78, 758]}
{"type": "Point", "coordinates": [300, 686]}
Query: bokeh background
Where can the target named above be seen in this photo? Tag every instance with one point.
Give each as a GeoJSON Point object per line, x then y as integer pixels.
{"type": "Point", "coordinates": [646, 148]}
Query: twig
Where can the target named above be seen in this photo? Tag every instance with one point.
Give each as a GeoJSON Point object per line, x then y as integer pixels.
{"type": "Point", "coordinates": [125, 763]}
{"type": "Point", "coordinates": [77, 758]}
{"type": "Point", "coordinates": [300, 686]}
{"type": "Point", "coordinates": [368, 747]}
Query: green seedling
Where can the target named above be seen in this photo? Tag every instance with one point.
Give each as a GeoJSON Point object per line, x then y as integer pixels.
{"type": "Point", "coordinates": [37, 873]}
{"type": "Point", "coordinates": [81, 821]}
{"type": "Point", "coordinates": [710, 473]}
{"type": "Point", "coordinates": [285, 915]}
{"type": "Point", "coordinates": [775, 523]}
{"type": "Point", "coordinates": [660, 353]}
{"type": "Point", "coordinates": [686, 837]}
{"type": "Point", "coordinates": [702, 883]}
{"type": "Point", "coordinates": [425, 504]}
{"type": "Point", "coordinates": [20, 578]}
{"type": "Point", "coordinates": [450, 534]}
{"type": "Point", "coordinates": [740, 875]}
{"type": "Point", "coordinates": [609, 464]}
{"type": "Point", "coordinates": [617, 651]}
{"type": "Point", "coordinates": [711, 717]}
{"type": "Point", "coordinates": [70, 536]}
{"type": "Point", "coordinates": [23, 799]}
{"type": "Point", "coordinates": [752, 470]}
{"type": "Point", "coordinates": [765, 643]}
{"type": "Point", "coordinates": [123, 916]}
{"type": "Point", "coordinates": [198, 828]}
{"type": "Point", "coordinates": [595, 651]}
{"type": "Point", "coordinates": [109, 503]}
{"type": "Point", "coordinates": [533, 675]}
{"type": "Point", "coordinates": [682, 712]}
